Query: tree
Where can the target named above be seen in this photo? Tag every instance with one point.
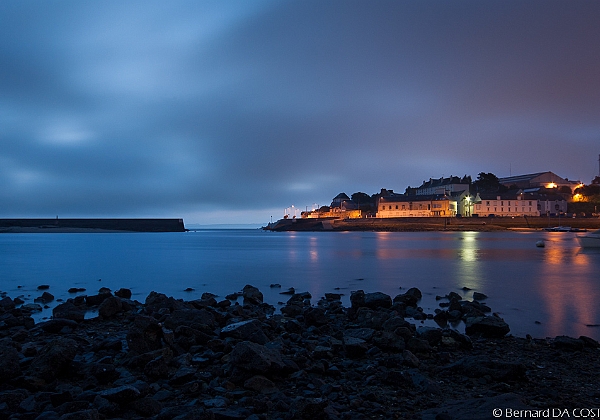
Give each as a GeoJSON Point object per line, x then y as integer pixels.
{"type": "Point", "coordinates": [487, 182]}
{"type": "Point", "coordinates": [361, 198]}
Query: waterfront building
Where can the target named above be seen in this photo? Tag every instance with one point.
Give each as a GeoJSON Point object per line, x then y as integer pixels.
{"type": "Point", "coordinates": [436, 205]}
{"type": "Point", "coordinates": [509, 204]}
{"type": "Point", "coordinates": [541, 179]}
{"type": "Point", "coordinates": [453, 184]}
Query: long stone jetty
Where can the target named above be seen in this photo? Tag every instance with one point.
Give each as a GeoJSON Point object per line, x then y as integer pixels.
{"type": "Point", "coordinates": [91, 225]}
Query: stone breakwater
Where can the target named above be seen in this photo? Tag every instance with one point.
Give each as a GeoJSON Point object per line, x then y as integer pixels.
{"type": "Point", "coordinates": [236, 359]}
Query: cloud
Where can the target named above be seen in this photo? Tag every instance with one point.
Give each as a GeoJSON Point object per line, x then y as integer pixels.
{"type": "Point", "coordinates": [225, 108]}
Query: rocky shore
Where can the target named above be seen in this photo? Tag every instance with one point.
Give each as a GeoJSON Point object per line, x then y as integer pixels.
{"type": "Point", "coordinates": [236, 358]}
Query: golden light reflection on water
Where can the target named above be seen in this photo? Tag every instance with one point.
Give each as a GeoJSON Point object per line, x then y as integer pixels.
{"type": "Point", "coordinates": [569, 298]}
{"type": "Point", "coordinates": [469, 261]}
{"type": "Point", "coordinates": [313, 250]}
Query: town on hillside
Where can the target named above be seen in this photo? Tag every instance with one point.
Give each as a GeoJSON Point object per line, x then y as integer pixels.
{"type": "Point", "coordinates": [537, 194]}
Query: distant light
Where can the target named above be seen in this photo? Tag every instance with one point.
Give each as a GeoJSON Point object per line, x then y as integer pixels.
{"type": "Point", "coordinates": [551, 185]}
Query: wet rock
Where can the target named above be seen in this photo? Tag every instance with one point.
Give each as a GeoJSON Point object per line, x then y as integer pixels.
{"type": "Point", "coordinates": [479, 366]}
{"type": "Point", "coordinates": [260, 384]}
{"type": "Point", "coordinates": [110, 306]}
{"type": "Point", "coordinates": [76, 289]}
{"type": "Point", "coordinates": [53, 359]}
{"type": "Point", "coordinates": [81, 415]}
{"type": "Point", "coordinates": [200, 319]}
{"type": "Point", "coordinates": [476, 408]}
{"type": "Point", "coordinates": [9, 362]}
{"type": "Point", "coordinates": [252, 295]}
{"type": "Point", "coordinates": [56, 325]}
{"type": "Point", "coordinates": [256, 358]}
{"type": "Point", "coordinates": [145, 335]}
{"type": "Point", "coordinates": [377, 300]}
{"type": "Point", "coordinates": [316, 317]}
{"type": "Point", "coordinates": [121, 395]}
{"type": "Point", "coordinates": [479, 296]}
{"type": "Point", "coordinates": [249, 330]}
{"type": "Point", "coordinates": [43, 287]}
{"type": "Point", "coordinates": [6, 304]}
{"type": "Point", "coordinates": [486, 326]}
{"type": "Point", "coordinates": [123, 293]}
{"type": "Point", "coordinates": [156, 301]}
{"type": "Point", "coordinates": [410, 298]}
{"type": "Point", "coordinates": [69, 310]}
{"type": "Point", "coordinates": [355, 347]}
{"type": "Point", "coordinates": [95, 300]}
{"type": "Point", "coordinates": [45, 298]}
{"type": "Point", "coordinates": [568, 343]}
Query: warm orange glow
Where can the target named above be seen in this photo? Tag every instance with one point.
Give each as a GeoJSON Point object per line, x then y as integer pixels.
{"type": "Point", "coordinates": [577, 197]}
{"type": "Point", "coordinates": [551, 185]}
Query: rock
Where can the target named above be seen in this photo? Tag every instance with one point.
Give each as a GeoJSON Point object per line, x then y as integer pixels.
{"type": "Point", "coordinates": [249, 330]}
{"type": "Point", "coordinates": [290, 291]}
{"type": "Point", "coordinates": [157, 301]}
{"type": "Point", "coordinates": [7, 304]}
{"type": "Point", "coordinates": [316, 317]}
{"type": "Point", "coordinates": [45, 298]}
{"type": "Point", "coordinates": [355, 347]}
{"type": "Point", "coordinates": [377, 300]}
{"type": "Point", "coordinates": [478, 408]}
{"type": "Point", "coordinates": [252, 295]}
{"type": "Point", "coordinates": [95, 300]}
{"type": "Point", "coordinates": [256, 358]}
{"type": "Point", "coordinates": [110, 306]}
{"type": "Point", "coordinates": [121, 395]}
{"type": "Point", "coordinates": [260, 384]}
{"type": "Point", "coordinates": [145, 335]}
{"type": "Point", "coordinates": [81, 415]}
{"type": "Point", "coordinates": [410, 298]}
{"type": "Point", "coordinates": [486, 326]}
{"type": "Point", "coordinates": [479, 366]}
{"type": "Point", "coordinates": [43, 287]}
{"type": "Point", "coordinates": [76, 289]}
{"type": "Point", "coordinates": [364, 334]}
{"type": "Point", "coordinates": [479, 296]}
{"type": "Point", "coordinates": [568, 343]}
{"type": "Point", "coordinates": [357, 298]}
{"type": "Point", "coordinates": [123, 293]}
{"type": "Point", "coordinates": [275, 286]}
{"type": "Point", "coordinates": [200, 319]}
{"type": "Point", "coordinates": [56, 325]}
{"type": "Point", "coordinates": [68, 310]}
{"type": "Point", "coordinates": [9, 362]}
{"type": "Point", "coordinates": [53, 359]}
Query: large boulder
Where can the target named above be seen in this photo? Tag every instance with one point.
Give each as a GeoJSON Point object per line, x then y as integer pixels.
{"type": "Point", "coordinates": [252, 295]}
{"type": "Point", "coordinates": [256, 358]}
{"type": "Point", "coordinates": [377, 300]}
{"type": "Point", "coordinates": [54, 358]}
{"type": "Point", "coordinates": [9, 363]}
{"type": "Point", "coordinates": [249, 330]}
{"type": "Point", "coordinates": [110, 306]}
{"type": "Point", "coordinates": [145, 335]}
{"type": "Point", "coordinates": [486, 326]}
{"type": "Point", "coordinates": [69, 310]}
{"type": "Point", "coordinates": [200, 319]}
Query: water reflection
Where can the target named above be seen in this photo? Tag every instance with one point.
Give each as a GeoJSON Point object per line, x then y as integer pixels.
{"type": "Point", "coordinates": [469, 261]}
{"type": "Point", "coordinates": [570, 296]}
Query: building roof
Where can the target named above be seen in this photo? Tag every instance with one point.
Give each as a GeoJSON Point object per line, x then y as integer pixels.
{"type": "Point", "coordinates": [435, 183]}
{"type": "Point", "coordinates": [521, 178]}
{"type": "Point", "coordinates": [413, 198]}
{"type": "Point", "coordinates": [341, 196]}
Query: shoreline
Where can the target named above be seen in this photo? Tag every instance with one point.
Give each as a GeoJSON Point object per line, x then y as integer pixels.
{"type": "Point", "coordinates": [235, 359]}
{"type": "Point", "coordinates": [428, 224]}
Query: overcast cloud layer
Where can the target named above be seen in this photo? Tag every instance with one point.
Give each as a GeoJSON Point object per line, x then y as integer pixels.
{"type": "Point", "coordinates": [231, 111]}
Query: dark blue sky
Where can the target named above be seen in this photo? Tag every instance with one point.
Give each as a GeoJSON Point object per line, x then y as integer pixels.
{"type": "Point", "coordinates": [230, 111]}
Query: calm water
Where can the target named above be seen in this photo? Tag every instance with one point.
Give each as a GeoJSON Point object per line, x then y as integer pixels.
{"type": "Point", "coordinates": [558, 286]}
